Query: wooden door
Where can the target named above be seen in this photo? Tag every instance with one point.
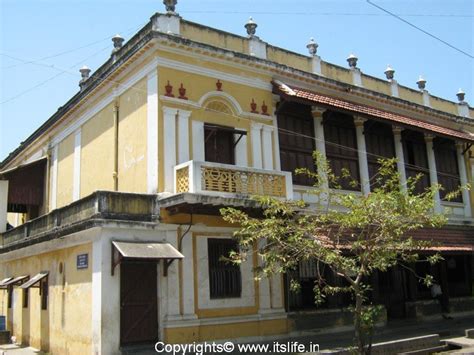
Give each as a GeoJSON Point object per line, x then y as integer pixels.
{"type": "Point", "coordinates": [138, 303]}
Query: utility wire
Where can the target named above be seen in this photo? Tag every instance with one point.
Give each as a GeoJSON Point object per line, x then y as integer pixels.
{"type": "Point", "coordinates": [421, 30]}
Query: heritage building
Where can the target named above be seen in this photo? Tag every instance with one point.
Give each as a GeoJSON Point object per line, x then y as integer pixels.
{"type": "Point", "coordinates": [109, 212]}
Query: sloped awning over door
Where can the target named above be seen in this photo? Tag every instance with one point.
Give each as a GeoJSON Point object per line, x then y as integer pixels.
{"type": "Point", "coordinates": [144, 251]}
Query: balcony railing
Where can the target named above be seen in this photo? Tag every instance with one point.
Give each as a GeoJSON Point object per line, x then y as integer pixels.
{"type": "Point", "coordinates": [230, 180]}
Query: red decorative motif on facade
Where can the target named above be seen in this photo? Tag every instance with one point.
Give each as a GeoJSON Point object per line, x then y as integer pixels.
{"type": "Point", "coordinates": [182, 92]}
{"type": "Point", "coordinates": [219, 85]}
{"type": "Point", "coordinates": [169, 90]}
{"type": "Point", "coordinates": [253, 107]}
{"type": "Point", "coordinates": [264, 109]}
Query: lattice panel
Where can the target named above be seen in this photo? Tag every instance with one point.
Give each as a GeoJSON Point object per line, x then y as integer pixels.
{"type": "Point", "coordinates": [182, 179]}
{"type": "Point", "coordinates": [243, 182]}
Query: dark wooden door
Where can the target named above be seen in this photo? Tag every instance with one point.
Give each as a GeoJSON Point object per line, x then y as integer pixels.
{"type": "Point", "coordinates": [219, 145]}
{"type": "Point", "coordinates": [138, 303]}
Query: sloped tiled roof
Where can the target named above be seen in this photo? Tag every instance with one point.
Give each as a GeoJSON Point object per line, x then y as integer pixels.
{"type": "Point", "coordinates": [291, 92]}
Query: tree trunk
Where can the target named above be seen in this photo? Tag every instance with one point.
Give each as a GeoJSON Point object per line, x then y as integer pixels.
{"type": "Point", "coordinates": [359, 332]}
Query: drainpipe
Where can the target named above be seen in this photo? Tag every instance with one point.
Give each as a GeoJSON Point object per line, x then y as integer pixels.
{"type": "Point", "coordinates": [116, 138]}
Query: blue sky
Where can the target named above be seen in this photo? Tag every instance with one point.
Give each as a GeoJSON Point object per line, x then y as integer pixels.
{"type": "Point", "coordinates": [61, 36]}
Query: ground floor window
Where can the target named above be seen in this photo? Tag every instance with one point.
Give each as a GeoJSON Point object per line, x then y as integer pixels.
{"type": "Point", "coordinates": [225, 280]}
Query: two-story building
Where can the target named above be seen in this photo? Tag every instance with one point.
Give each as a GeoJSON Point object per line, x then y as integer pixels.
{"type": "Point", "coordinates": [112, 206]}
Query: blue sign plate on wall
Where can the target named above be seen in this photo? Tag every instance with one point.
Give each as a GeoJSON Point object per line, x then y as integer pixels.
{"type": "Point", "coordinates": [82, 261]}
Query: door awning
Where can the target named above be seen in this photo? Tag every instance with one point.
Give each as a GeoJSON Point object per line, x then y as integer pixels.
{"type": "Point", "coordinates": [12, 281]}
{"type": "Point", "coordinates": [144, 251]}
{"type": "Point", "coordinates": [293, 93]}
{"type": "Point", "coordinates": [34, 280]}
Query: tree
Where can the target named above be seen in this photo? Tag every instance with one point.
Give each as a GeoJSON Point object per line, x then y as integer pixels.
{"type": "Point", "coordinates": [352, 235]}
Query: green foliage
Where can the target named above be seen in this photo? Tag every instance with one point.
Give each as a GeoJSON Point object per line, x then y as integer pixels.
{"type": "Point", "coordinates": [352, 234]}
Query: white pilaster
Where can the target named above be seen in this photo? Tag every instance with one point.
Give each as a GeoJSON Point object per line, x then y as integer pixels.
{"type": "Point", "coordinates": [241, 150]}
{"type": "Point", "coordinates": [362, 154]}
{"type": "Point", "coordinates": [97, 296]}
{"type": "Point", "coordinates": [152, 132]}
{"type": "Point", "coordinates": [394, 87]}
{"type": "Point", "coordinates": [397, 138]}
{"type": "Point", "coordinates": [172, 281]}
{"type": "Point", "coordinates": [198, 140]}
{"type": "Point", "coordinates": [426, 98]}
{"type": "Point", "coordinates": [267, 147]}
{"type": "Point", "coordinates": [166, 23]}
{"type": "Point", "coordinates": [463, 109]}
{"type": "Point", "coordinates": [188, 276]}
{"type": "Point", "coordinates": [54, 178]}
{"type": "Point", "coordinates": [256, 139]}
{"type": "Point", "coordinates": [316, 64]}
{"type": "Point", "coordinates": [463, 177]}
{"type": "Point", "coordinates": [257, 48]}
{"type": "Point", "coordinates": [3, 205]}
{"type": "Point", "coordinates": [356, 76]}
{"type": "Point", "coordinates": [169, 146]}
{"type": "Point", "coordinates": [183, 136]}
{"type": "Point", "coordinates": [76, 180]}
{"type": "Point", "coordinates": [264, 286]}
{"type": "Point", "coordinates": [433, 172]}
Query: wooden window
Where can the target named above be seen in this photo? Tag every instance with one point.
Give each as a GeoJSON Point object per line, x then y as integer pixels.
{"type": "Point", "coordinates": [416, 160]}
{"type": "Point", "coordinates": [341, 147]}
{"type": "Point", "coordinates": [225, 280]}
{"type": "Point", "coordinates": [10, 296]}
{"type": "Point", "coordinates": [379, 144]}
{"type": "Point", "coordinates": [296, 138]}
{"type": "Point", "coordinates": [219, 144]}
{"type": "Point", "coordinates": [447, 166]}
{"type": "Point", "coordinates": [25, 297]}
{"type": "Point", "coordinates": [44, 293]}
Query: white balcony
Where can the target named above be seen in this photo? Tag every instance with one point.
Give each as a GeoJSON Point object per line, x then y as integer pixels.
{"type": "Point", "coordinates": [230, 180]}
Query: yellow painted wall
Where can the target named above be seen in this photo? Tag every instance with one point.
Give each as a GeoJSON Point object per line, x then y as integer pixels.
{"type": "Point", "coordinates": [65, 171]}
{"type": "Point", "coordinates": [336, 73]}
{"type": "Point", "coordinates": [225, 331]}
{"type": "Point", "coordinates": [97, 165]}
{"type": "Point", "coordinates": [132, 171]}
{"type": "Point", "coordinates": [291, 59]}
{"type": "Point", "coordinates": [410, 95]}
{"type": "Point", "coordinates": [214, 38]}
{"type": "Point", "coordinates": [376, 85]}
{"type": "Point", "coordinates": [65, 327]}
{"type": "Point", "coordinates": [443, 105]}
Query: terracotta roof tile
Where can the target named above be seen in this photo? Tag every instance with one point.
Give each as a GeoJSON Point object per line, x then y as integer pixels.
{"type": "Point", "coordinates": [312, 98]}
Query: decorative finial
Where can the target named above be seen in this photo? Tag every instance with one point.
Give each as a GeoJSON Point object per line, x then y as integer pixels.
{"type": "Point", "coordinates": [251, 26]}
{"type": "Point", "coordinates": [170, 6]}
{"type": "Point", "coordinates": [352, 60]}
{"type": "Point", "coordinates": [85, 71]}
{"type": "Point", "coordinates": [312, 47]}
{"type": "Point", "coordinates": [461, 94]}
{"type": "Point", "coordinates": [118, 42]}
{"type": "Point", "coordinates": [421, 83]}
{"type": "Point", "coordinates": [389, 72]}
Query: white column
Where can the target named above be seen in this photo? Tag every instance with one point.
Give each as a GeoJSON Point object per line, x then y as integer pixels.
{"type": "Point", "coordinates": [397, 139]}
{"type": "Point", "coordinates": [362, 154]}
{"type": "Point", "coordinates": [152, 132]}
{"type": "Point", "coordinates": [183, 136]}
{"type": "Point", "coordinates": [463, 109]}
{"type": "Point", "coordinates": [317, 113]}
{"type": "Point", "coordinates": [188, 276]}
{"type": "Point", "coordinates": [256, 139]}
{"type": "Point", "coordinates": [54, 178]}
{"type": "Point", "coordinates": [463, 177]}
{"type": "Point", "coordinates": [267, 147]}
{"type": "Point", "coordinates": [316, 64]}
{"type": "Point", "coordinates": [198, 140]}
{"type": "Point", "coordinates": [276, 138]}
{"type": "Point", "coordinates": [169, 146]}
{"type": "Point", "coordinates": [172, 281]}
{"type": "Point", "coordinates": [433, 171]}
{"type": "Point", "coordinates": [3, 205]}
{"type": "Point", "coordinates": [97, 295]}
{"type": "Point", "coordinates": [356, 76]}
{"type": "Point", "coordinates": [241, 150]}
{"type": "Point", "coordinates": [76, 183]}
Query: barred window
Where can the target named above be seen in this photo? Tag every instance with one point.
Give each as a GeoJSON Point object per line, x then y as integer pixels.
{"type": "Point", "coordinates": [225, 280]}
